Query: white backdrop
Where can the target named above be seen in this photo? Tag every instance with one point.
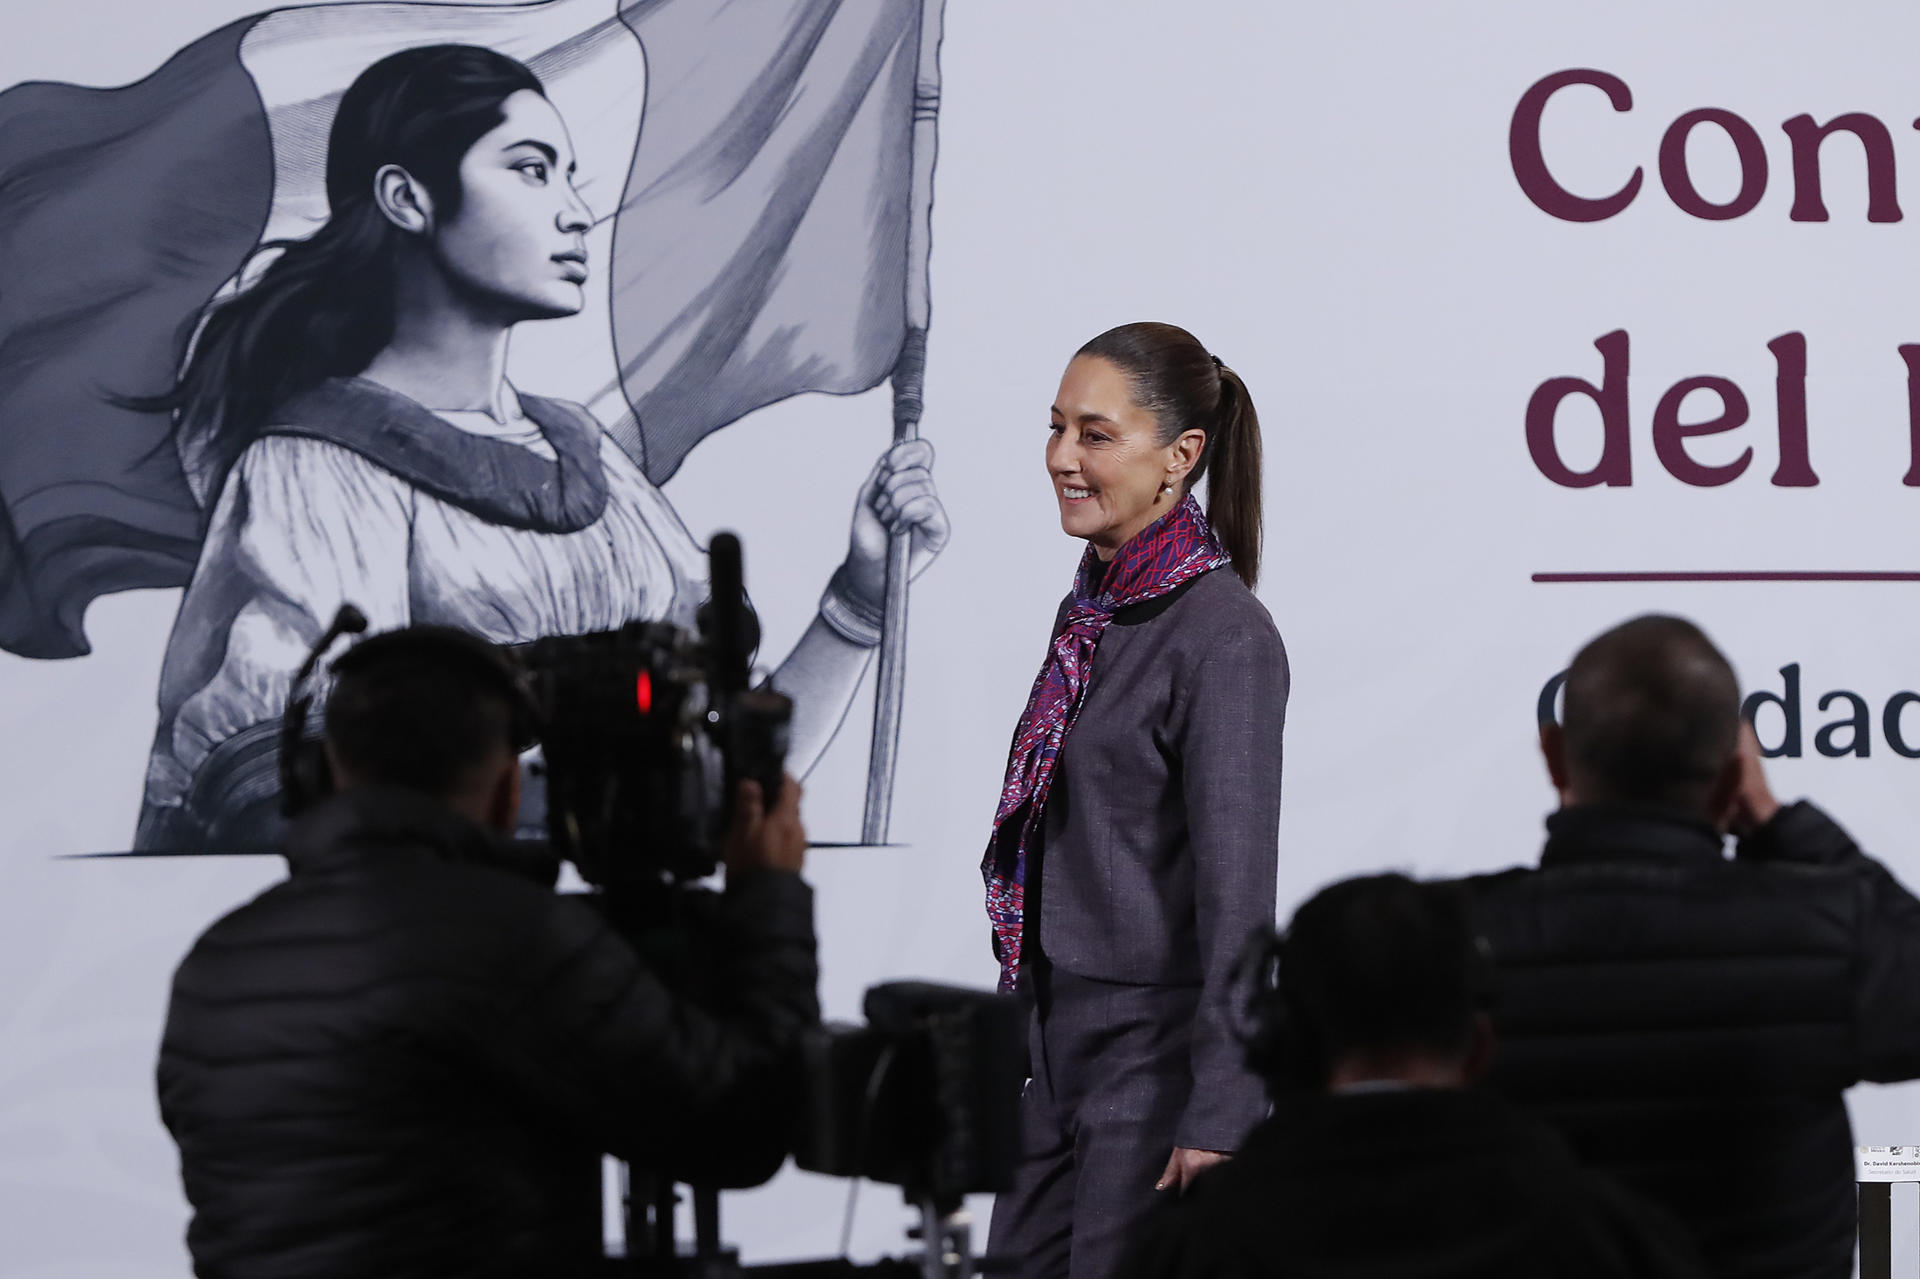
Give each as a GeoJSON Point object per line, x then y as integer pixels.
{"type": "Point", "coordinates": [1323, 193]}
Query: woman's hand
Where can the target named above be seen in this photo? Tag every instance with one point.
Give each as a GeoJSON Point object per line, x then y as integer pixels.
{"type": "Point", "coordinates": [898, 496]}
{"type": "Point", "coordinates": [1185, 1166]}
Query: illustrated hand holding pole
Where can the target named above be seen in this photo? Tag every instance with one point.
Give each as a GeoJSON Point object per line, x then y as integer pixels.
{"type": "Point", "coordinates": [898, 496]}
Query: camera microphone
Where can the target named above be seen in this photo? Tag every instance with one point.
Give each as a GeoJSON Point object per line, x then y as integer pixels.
{"type": "Point", "coordinates": [348, 621]}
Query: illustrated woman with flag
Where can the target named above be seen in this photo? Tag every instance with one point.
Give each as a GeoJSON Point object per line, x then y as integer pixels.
{"type": "Point", "coordinates": [1134, 845]}
{"type": "Point", "coordinates": [349, 417]}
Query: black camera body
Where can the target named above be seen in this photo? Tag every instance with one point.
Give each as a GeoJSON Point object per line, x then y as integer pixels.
{"type": "Point", "coordinates": [647, 730]}
{"type": "Point", "coordinates": [925, 1096]}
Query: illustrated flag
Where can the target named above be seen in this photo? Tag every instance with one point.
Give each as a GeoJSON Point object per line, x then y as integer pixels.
{"type": "Point", "coordinates": [748, 164]}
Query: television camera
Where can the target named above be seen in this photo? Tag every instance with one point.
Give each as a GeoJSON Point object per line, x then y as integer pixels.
{"type": "Point", "coordinates": [645, 731]}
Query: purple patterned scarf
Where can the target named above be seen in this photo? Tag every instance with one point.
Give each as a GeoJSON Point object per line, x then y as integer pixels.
{"type": "Point", "coordinates": [1175, 548]}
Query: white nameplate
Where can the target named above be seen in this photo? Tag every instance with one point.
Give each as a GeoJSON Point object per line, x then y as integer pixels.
{"type": "Point", "coordinates": [1886, 1163]}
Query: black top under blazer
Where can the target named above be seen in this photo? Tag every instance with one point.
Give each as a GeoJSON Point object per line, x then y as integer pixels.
{"type": "Point", "coordinates": [1160, 851]}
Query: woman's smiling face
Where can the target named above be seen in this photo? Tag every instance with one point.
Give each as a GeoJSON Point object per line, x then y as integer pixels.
{"type": "Point", "coordinates": [518, 241]}
{"type": "Point", "coordinates": [1108, 469]}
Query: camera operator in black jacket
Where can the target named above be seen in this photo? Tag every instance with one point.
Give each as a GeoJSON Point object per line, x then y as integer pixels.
{"type": "Point", "coordinates": [406, 1058]}
{"type": "Point", "coordinates": [1687, 1020]}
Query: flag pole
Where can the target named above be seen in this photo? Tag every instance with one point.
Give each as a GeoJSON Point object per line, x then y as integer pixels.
{"type": "Point", "coordinates": [909, 381]}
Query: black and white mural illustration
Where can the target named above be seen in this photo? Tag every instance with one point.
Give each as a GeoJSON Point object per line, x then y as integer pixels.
{"type": "Point", "coordinates": [415, 306]}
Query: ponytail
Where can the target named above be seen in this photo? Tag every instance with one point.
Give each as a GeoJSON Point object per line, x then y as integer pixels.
{"type": "Point", "coordinates": [1233, 494]}
{"type": "Point", "coordinates": [1186, 388]}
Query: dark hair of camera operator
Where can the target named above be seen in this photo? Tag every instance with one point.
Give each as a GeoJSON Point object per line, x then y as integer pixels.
{"type": "Point", "coordinates": [420, 723]}
{"type": "Point", "coordinates": [1369, 1020]}
{"type": "Point", "coordinates": [1687, 1020]}
{"type": "Point", "coordinates": [407, 1057]}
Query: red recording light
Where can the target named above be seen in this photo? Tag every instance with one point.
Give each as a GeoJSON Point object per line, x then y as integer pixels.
{"type": "Point", "coordinates": [643, 691]}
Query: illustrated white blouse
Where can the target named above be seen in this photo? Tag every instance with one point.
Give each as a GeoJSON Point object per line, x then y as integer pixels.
{"type": "Point", "coordinates": [304, 525]}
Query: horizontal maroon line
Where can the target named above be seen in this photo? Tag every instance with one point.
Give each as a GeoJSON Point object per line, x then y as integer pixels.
{"type": "Point", "coordinates": [1762, 575]}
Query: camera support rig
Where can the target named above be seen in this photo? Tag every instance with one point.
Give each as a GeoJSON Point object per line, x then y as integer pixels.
{"type": "Point", "coordinates": [945, 1234]}
{"type": "Point", "coordinates": [648, 728]}
{"type": "Point", "coordinates": [924, 1097]}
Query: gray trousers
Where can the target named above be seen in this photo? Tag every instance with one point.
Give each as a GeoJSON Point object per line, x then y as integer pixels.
{"type": "Point", "coordinates": [1110, 1076]}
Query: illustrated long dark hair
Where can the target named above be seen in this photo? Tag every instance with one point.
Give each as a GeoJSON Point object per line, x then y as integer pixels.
{"type": "Point", "coordinates": [1174, 378]}
{"type": "Point", "coordinates": [325, 306]}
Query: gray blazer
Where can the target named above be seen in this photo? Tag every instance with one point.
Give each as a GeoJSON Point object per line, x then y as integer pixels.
{"type": "Point", "coordinates": [1162, 826]}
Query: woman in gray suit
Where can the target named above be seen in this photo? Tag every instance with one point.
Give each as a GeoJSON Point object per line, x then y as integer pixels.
{"type": "Point", "coordinates": [1134, 847]}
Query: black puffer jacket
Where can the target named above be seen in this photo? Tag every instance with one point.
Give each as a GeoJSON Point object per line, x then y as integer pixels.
{"type": "Point", "coordinates": [1690, 1022]}
{"type": "Point", "coordinates": [405, 1059]}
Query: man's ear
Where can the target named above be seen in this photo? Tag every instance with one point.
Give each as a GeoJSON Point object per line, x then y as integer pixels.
{"type": "Point", "coordinates": [1553, 748]}
{"type": "Point", "coordinates": [503, 802]}
{"type": "Point", "coordinates": [403, 200]}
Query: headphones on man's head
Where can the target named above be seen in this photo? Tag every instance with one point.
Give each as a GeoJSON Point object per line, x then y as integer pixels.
{"type": "Point", "coordinates": [1279, 1045]}
{"type": "Point", "coordinates": [1283, 1045]}
{"type": "Point", "coordinates": [306, 776]}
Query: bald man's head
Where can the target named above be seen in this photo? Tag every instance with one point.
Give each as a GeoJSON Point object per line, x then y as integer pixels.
{"type": "Point", "coordinates": [1652, 716]}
